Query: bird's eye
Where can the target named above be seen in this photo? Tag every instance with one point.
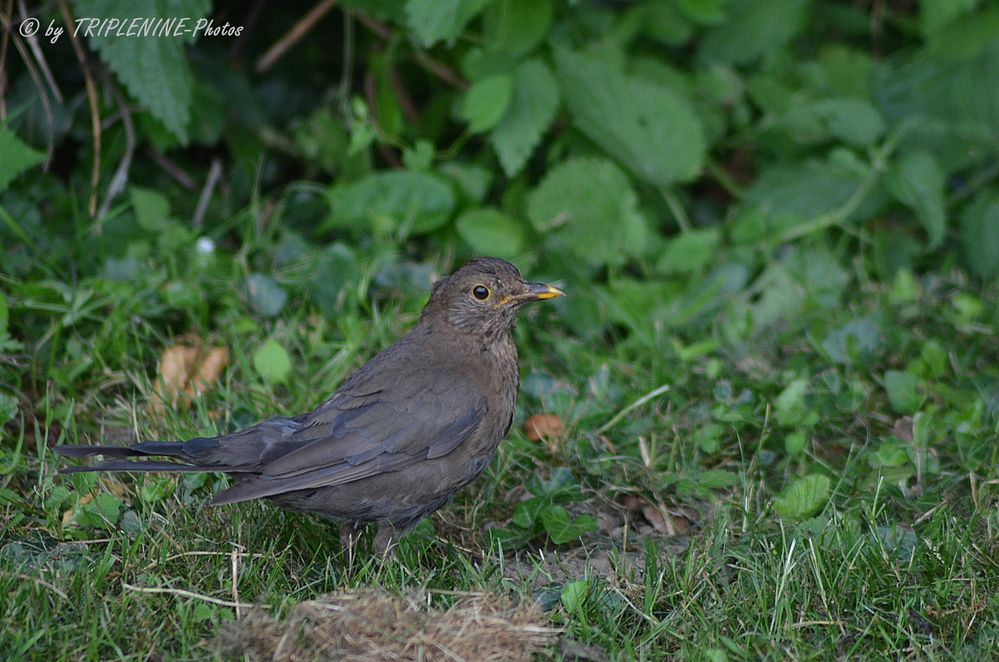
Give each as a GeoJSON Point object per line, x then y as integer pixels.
{"type": "Point", "coordinates": [480, 292]}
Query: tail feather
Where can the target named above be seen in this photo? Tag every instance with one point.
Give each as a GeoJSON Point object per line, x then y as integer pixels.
{"type": "Point", "coordinates": [88, 451]}
{"type": "Point", "coordinates": [142, 449]}
{"type": "Point", "coordinates": [139, 466]}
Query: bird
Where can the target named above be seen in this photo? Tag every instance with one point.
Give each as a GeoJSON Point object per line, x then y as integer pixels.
{"type": "Point", "coordinates": [417, 423]}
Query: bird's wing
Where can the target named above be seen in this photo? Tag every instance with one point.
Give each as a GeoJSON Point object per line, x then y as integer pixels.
{"type": "Point", "coordinates": [364, 431]}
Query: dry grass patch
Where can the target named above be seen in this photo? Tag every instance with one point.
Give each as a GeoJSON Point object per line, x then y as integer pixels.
{"type": "Point", "coordinates": [373, 625]}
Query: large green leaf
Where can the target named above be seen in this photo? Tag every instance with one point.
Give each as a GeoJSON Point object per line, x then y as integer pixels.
{"type": "Point", "coordinates": [441, 20]}
{"type": "Point", "coordinates": [980, 235]}
{"type": "Point", "coordinates": [15, 158]}
{"type": "Point", "coordinates": [648, 127]}
{"type": "Point", "coordinates": [949, 108]}
{"type": "Point", "coordinates": [804, 497]}
{"type": "Point", "coordinates": [485, 103]}
{"type": "Point", "coordinates": [752, 29]}
{"type": "Point", "coordinates": [935, 14]}
{"type": "Point", "coordinates": [532, 108]}
{"type": "Point", "coordinates": [918, 182]}
{"type": "Point", "coordinates": [153, 68]}
{"type": "Point", "coordinates": [491, 232]}
{"type": "Point", "coordinates": [590, 205]}
{"type": "Point", "coordinates": [414, 202]}
{"type": "Point", "coordinates": [517, 26]}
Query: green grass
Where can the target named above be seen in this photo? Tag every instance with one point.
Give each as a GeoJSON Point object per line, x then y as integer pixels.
{"type": "Point", "coordinates": [899, 559]}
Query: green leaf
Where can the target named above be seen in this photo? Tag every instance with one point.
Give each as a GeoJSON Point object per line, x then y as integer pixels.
{"type": "Point", "coordinates": [15, 158]}
{"type": "Point", "coordinates": [485, 103]}
{"type": "Point", "coordinates": [491, 232]}
{"type": "Point", "coordinates": [531, 110]}
{"type": "Point", "coordinates": [101, 513]}
{"type": "Point", "coordinates": [705, 12]}
{"type": "Point", "coordinates": [441, 20]}
{"type": "Point", "coordinates": [574, 595]}
{"type": "Point", "coordinates": [794, 443]}
{"type": "Point", "coordinates": [918, 182]}
{"type": "Point", "coordinates": [266, 296]}
{"type": "Point", "coordinates": [8, 408]}
{"type": "Point", "coordinates": [857, 340]}
{"type": "Point", "coordinates": [517, 26]}
{"type": "Point", "coordinates": [790, 405]}
{"type": "Point", "coordinates": [851, 120]}
{"type": "Point", "coordinates": [752, 29]}
{"type": "Point", "coordinates": [154, 69]}
{"type": "Point", "coordinates": [649, 128]}
{"type": "Point", "coordinates": [980, 235]}
{"type": "Point", "coordinates": [271, 361]}
{"type": "Point", "coordinates": [393, 201]}
{"type": "Point", "coordinates": [902, 391]}
{"type": "Point", "coordinates": [790, 194]}
{"type": "Point", "coordinates": [935, 14]}
{"type": "Point", "coordinates": [590, 206]}
{"type": "Point", "coordinates": [690, 251]}
{"type": "Point", "coordinates": [152, 210]}
{"type": "Point", "coordinates": [966, 37]}
{"type": "Point", "coordinates": [803, 498]}
{"type": "Point", "coordinates": [717, 479]}
{"type": "Point", "coordinates": [561, 528]}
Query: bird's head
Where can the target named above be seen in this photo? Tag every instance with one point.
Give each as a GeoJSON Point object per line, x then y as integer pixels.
{"type": "Point", "coordinates": [483, 296]}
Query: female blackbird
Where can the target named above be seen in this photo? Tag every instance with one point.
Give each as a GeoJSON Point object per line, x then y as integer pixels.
{"type": "Point", "coordinates": [417, 423]}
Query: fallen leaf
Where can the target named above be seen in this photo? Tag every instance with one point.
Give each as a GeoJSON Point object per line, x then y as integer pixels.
{"type": "Point", "coordinates": [544, 426]}
{"type": "Point", "coordinates": [210, 369]}
{"type": "Point", "coordinates": [67, 517]}
{"type": "Point", "coordinates": [186, 371]}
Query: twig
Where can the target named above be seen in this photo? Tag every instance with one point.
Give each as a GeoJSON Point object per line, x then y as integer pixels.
{"type": "Point", "coordinates": [214, 174]}
{"type": "Point", "coordinates": [676, 207]}
{"type": "Point", "coordinates": [40, 582]}
{"type": "Point", "coordinates": [235, 582]}
{"type": "Point", "coordinates": [441, 70]}
{"type": "Point", "coordinates": [120, 178]}
{"type": "Point", "coordinates": [249, 22]}
{"type": "Point", "coordinates": [724, 179]}
{"type": "Point", "coordinates": [189, 594]}
{"type": "Point", "coordinates": [436, 67]}
{"type": "Point", "coordinates": [39, 56]}
{"type": "Point", "coordinates": [375, 26]}
{"type": "Point", "coordinates": [36, 81]}
{"type": "Point", "coordinates": [347, 66]}
{"type": "Point", "coordinates": [292, 36]}
{"type": "Point", "coordinates": [4, 41]}
{"type": "Point", "coordinates": [95, 118]}
{"type": "Point", "coordinates": [651, 395]}
{"type": "Point", "coordinates": [171, 169]}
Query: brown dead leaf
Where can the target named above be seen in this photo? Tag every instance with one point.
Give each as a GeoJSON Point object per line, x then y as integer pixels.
{"type": "Point", "coordinates": [187, 371]}
{"type": "Point", "coordinates": [67, 517]}
{"type": "Point", "coordinates": [214, 362]}
{"type": "Point", "coordinates": [544, 426]}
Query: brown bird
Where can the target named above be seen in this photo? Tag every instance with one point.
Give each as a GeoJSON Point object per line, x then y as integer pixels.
{"type": "Point", "coordinates": [413, 426]}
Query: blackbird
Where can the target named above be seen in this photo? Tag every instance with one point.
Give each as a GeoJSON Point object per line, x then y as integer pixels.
{"type": "Point", "coordinates": [410, 428]}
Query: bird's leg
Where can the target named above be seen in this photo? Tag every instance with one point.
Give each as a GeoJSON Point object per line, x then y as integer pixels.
{"type": "Point", "coordinates": [350, 533]}
{"type": "Point", "coordinates": [386, 540]}
{"type": "Point", "coordinates": [389, 534]}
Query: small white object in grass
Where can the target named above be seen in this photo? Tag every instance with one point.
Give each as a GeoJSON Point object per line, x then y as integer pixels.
{"type": "Point", "coordinates": [205, 246]}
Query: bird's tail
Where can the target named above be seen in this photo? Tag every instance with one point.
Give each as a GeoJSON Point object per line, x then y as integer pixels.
{"type": "Point", "coordinates": [185, 452]}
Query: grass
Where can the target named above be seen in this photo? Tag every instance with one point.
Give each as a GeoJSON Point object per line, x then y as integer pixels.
{"type": "Point", "coordinates": [700, 544]}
